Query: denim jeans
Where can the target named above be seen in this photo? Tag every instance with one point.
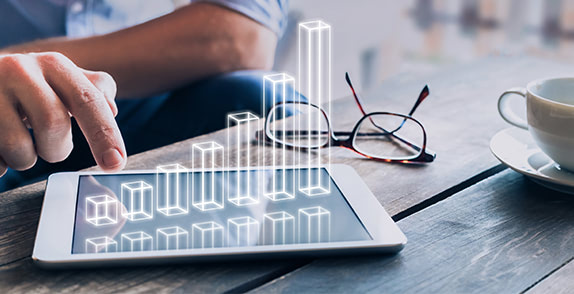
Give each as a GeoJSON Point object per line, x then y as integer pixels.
{"type": "Point", "coordinates": [149, 123]}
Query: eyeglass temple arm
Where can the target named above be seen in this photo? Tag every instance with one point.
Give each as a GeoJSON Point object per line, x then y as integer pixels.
{"type": "Point", "coordinates": [359, 103]}
{"type": "Point", "coordinates": [424, 94]}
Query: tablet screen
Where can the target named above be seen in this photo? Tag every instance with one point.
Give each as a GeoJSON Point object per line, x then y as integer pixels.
{"type": "Point", "coordinates": [175, 209]}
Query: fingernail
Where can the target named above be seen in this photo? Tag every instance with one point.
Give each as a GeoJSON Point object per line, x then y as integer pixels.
{"type": "Point", "coordinates": [112, 158]}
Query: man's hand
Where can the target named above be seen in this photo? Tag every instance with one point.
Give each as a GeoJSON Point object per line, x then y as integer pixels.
{"type": "Point", "coordinates": [41, 91]}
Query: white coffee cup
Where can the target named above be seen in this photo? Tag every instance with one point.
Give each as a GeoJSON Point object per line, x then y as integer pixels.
{"type": "Point", "coordinates": [549, 116]}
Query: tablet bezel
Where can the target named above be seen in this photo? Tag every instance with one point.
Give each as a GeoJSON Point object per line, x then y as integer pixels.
{"type": "Point", "coordinates": [53, 245]}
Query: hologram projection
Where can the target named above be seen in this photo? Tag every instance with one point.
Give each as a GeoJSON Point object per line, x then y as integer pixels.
{"type": "Point", "coordinates": [101, 210]}
{"type": "Point", "coordinates": [240, 156]}
{"type": "Point", "coordinates": [207, 189]}
{"type": "Point", "coordinates": [278, 228]}
{"type": "Point", "coordinates": [171, 238]}
{"type": "Point", "coordinates": [137, 198]}
{"type": "Point", "coordinates": [242, 231]}
{"type": "Point", "coordinates": [297, 132]}
{"type": "Point", "coordinates": [103, 244]}
{"type": "Point", "coordinates": [282, 88]}
{"type": "Point", "coordinates": [314, 225]}
{"type": "Point", "coordinates": [136, 241]}
{"type": "Point", "coordinates": [207, 235]}
{"type": "Point", "coordinates": [172, 189]}
{"type": "Point", "coordinates": [314, 74]}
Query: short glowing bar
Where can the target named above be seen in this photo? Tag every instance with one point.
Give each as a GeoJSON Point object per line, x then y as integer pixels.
{"type": "Point", "coordinates": [136, 241]}
{"type": "Point", "coordinates": [171, 238]}
{"type": "Point", "coordinates": [206, 235]}
{"type": "Point", "coordinates": [172, 189]}
{"type": "Point", "coordinates": [101, 245]}
{"type": "Point", "coordinates": [314, 225]}
{"type": "Point", "coordinates": [242, 231]}
{"type": "Point", "coordinates": [137, 198]}
{"type": "Point", "coordinates": [278, 228]}
{"type": "Point", "coordinates": [101, 210]}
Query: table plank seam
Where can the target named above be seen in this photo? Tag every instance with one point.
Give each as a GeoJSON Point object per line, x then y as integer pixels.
{"type": "Point", "coordinates": [449, 192]}
{"type": "Point", "coordinates": [13, 261]}
{"type": "Point", "coordinates": [272, 276]}
{"type": "Point", "coordinates": [547, 275]}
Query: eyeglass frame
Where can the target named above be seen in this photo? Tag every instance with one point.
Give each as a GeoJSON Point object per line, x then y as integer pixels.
{"type": "Point", "coordinates": [424, 155]}
{"type": "Point", "coordinates": [421, 157]}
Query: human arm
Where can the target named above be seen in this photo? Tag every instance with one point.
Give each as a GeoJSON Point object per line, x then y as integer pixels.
{"type": "Point", "coordinates": [191, 43]}
{"type": "Point", "coordinates": [195, 42]}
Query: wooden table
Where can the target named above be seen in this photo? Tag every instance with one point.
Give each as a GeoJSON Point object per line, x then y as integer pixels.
{"type": "Point", "coordinates": [472, 224]}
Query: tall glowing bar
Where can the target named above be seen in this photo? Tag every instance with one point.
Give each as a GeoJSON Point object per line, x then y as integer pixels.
{"type": "Point", "coordinates": [241, 183]}
{"type": "Point", "coordinates": [207, 187]}
{"type": "Point", "coordinates": [314, 71]}
{"type": "Point", "coordinates": [282, 185]}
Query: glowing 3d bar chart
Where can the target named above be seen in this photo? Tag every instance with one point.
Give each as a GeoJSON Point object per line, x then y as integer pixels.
{"type": "Point", "coordinates": [242, 231]}
{"type": "Point", "coordinates": [101, 245]}
{"type": "Point", "coordinates": [207, 235]}
{"type": "Point", "coordinates": [172, 189]}
{"type": "Point", "coordinates": [136, 241]}
{"type": "Point", "coordinates": [240, 130]}
{"type": "Point", "coordinates": [137, 198]}
{"type": "Point", "coordinates": [101, 210]}
{"type": "Point", "coordinates": [314, 225]}
{"type": "Point", "coordinates": [278, 228]}
{"type": "Point", "coordinates": [207, 187]}
{"type": "Point", "coordinates": [281, 186]}
{"type": "Point", "coordinates": [171, 238]}
{"type": "Point", "coordinates": [314, 74]}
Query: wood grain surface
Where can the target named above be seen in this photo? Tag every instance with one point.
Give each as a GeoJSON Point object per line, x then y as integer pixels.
{"type": "Point", "coordinates": [499, 236]}
{"type": "Point", "coordinates": [460, 117]}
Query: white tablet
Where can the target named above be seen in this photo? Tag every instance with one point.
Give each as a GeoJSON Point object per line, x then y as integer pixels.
{"type": "Point", "coordinates": [177, 215]}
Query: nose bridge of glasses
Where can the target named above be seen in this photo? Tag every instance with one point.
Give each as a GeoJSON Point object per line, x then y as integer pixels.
{"type": "Point", "coordinates": [390, 126]}
{"type": "Point", "coordinates": [308, 126]}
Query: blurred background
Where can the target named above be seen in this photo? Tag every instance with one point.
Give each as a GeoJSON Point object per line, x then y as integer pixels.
{"type": "Point", "coordinates": [374, 40]}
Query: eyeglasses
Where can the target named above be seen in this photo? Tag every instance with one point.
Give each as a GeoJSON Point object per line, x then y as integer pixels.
{"type": "Point", "coordinates": [381, 136]}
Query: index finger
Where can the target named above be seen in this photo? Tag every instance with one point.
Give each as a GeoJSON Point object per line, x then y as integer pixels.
{"type": "Point", "coordinates": [89, 107]}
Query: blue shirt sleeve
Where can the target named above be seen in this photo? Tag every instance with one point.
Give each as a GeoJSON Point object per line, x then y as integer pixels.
{"type": "Point", "coordinates": [270, 13]}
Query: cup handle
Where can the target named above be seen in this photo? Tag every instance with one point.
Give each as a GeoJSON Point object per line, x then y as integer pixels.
{"type": "Point", "coordinates": [506, 112]}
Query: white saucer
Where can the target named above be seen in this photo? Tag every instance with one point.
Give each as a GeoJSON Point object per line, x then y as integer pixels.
{"type": "Point", "coordinates": [515, 148]}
